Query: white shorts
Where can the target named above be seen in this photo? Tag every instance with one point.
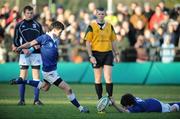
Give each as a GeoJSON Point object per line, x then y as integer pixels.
{"type": "Point", "coordinates": [165, 107]}
{"type": "Point", "coordinates": [32, 60]}
{"type": "Point", "coordinates": [51, 76]}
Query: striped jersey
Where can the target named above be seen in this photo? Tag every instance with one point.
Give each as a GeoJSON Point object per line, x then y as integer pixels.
{"type": "Point", "coordinates": [26, 31]}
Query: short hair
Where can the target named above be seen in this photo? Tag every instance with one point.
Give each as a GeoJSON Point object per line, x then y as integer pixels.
{"type": "Point", "coordinates": [56, 25]}
{"type": "Point", "coordinates": [127, 100]}
{"type": "Point", "coordinates": [100, 9]}
{"type": "Point", "coordinates": [29, 8]}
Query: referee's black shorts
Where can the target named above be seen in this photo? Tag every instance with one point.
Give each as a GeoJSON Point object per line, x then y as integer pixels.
{"type": "Point", "coordinates": [103, 58]}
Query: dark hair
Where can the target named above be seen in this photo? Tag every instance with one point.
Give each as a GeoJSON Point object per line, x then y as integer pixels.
{"type": "Point", "coordinates": [29, 8]}
{"type": "Point", "coordinates": [127, 100]}
{"type": "Point", "coordinates": [100, 9]}
{"type": "Point", "coordinates": [56, 25]}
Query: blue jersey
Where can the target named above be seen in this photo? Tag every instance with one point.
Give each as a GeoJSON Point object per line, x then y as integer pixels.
{"type": "Point", "coordinates": [147, 105]}
{"type": "Point", "coordinates": [49, 52]}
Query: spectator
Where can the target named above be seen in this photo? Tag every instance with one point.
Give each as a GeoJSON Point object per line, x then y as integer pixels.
{"type": "Point", "coordinates": [75, 57]}
{"type": "Point", "coordinates": [138, 16]}
{"type": "Point", "coordinates": [156, 18]}
{"type": "Point", "coordinates": [92, 10]}
{"type": "Point", "coordinates": [140, 46]}
{"type": "Point", "coordinates": [148, 12]}
{"type": "Point", "coordinates": [167, 50]}
{"type": "Point", "coordinates": [163, 7]}
{"type": "Point", "coordinates": [2, 49]}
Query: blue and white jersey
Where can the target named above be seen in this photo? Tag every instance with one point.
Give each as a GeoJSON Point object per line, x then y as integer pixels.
{"type": "Point", "coordinates": [26, 31]}
{"type": "Point", "coordinates": [147, 105]}
{"type": "Point", "coordinates": [49, 52]}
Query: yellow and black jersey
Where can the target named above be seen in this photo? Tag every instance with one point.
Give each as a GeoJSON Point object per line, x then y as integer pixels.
{"type": "Point", "coordinates": [100, 36]}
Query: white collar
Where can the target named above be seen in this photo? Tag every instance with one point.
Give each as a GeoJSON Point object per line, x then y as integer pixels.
{"type": "Point", "coordinates": [51, 35]}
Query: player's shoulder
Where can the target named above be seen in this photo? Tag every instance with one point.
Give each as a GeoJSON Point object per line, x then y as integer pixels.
{"type": "Point", "coordinates": [36, 22]}
{"type": "Point", "coordinates": [45, 36]}
{"type": "Point", "coordinates": [19, 24]}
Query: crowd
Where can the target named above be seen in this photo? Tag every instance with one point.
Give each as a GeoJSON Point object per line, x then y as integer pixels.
{"type": "Point", "coordinates": [143, 33]}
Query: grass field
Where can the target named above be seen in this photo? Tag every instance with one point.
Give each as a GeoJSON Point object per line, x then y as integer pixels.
{"type": "Point", "coordinates": [58, 107]}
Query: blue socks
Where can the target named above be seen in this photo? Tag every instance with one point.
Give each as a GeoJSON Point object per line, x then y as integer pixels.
{"type": "Point", "coordinates": [22, 92]}
{"type": "Point", "coordinates": [22, 88]}
{"type": "Point", "coordinates": [73, 100]}
{"type": "Point", "coordinates": [28, 82]}
{"type": "Point", "coordinates": [36, 94]}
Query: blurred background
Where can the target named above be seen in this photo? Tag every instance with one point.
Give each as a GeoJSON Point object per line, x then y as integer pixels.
{"type": "Point", "coordinates": [141, 33]}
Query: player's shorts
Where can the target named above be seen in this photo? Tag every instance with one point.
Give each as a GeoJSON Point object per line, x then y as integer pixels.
{"type": "Point", "coordinates": [165, 107]}
{"type": "Point", "coordinates": [51, 76]}
{"type": "Point", "coordinates": [31, 60]}
{"type": "Point", "coordinates": [103, 58]}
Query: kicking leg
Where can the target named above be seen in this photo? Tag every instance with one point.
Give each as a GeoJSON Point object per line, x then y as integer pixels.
{"type": "Point", "coordinates": [38, 84]}
{"type": "Point", "coordinates": [71, 96]}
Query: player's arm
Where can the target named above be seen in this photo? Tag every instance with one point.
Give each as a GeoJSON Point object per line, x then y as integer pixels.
{"type": "Point", "coordinates": [88, 47]}
{"type": "Point", "coordinates": [16, 38]}
{"type": "Point", "coordinates": [88, 38]}
{"type": "Point", "coordinates": [114, 48]}
{"type": "Point", "coordinates": [118, 108]}
{"type": "Point", "coordinates": [115, 52]}
{"type": "Point", "coordinates": [27, 45]}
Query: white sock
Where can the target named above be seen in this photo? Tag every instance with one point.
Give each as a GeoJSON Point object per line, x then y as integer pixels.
{"type": "Point", "coordinates": [36, 79]}
{"type": "Point", "coordinates": [177, 106]}
{"type": "Point", "coordinates": [80, 108]}
{"type": "Point", "coordinates": [71, 96]}
{"type": "Point", "coordinates": [40, 85]}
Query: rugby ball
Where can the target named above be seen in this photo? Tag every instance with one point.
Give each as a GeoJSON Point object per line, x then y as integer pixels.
{"type": "Point", "coordinates": [102, 103]}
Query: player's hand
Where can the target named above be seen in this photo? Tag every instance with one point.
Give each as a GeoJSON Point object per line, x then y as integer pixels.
{"type": "Point", "coordinates": [93, 60]}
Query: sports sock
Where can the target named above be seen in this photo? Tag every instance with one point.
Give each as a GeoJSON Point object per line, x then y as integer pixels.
{"type": "Point", "coordinates": [29, 82]}
{"type": "Point", "coordinates": [36, 91]}
{"type": "Point", "coordinates": [109, 89]}
{"type": "Point", "coordinates": [36, 94]}
{"type": "Point", "coordinates": [22, 91]}
{"type": "Point", "coordinates": [73, 100]}
{"type": "Point", "coordinates": [177, 104]}
{"type": "Point", "coordinates": [99, 89]}
{"type": "Point", "coordinates": [32, 83]}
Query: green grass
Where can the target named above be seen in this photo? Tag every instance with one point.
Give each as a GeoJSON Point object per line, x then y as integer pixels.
{"type": "Point", "coordinates": [58, 107]}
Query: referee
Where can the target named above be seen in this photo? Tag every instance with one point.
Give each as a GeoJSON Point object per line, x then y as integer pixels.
{"type": "Point", "coordinates": [100, 42]}
{"type": "Point", "coordinates": [25, 31]}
